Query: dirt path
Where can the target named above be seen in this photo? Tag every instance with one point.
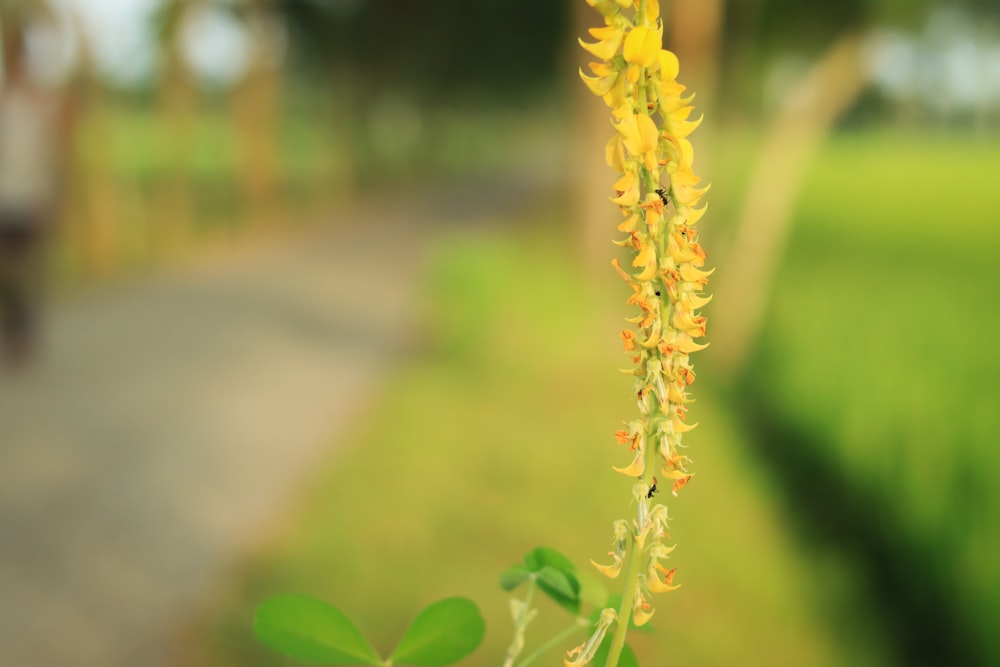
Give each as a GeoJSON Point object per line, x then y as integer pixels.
{"type": "Point", "coordinates": [169, 421]}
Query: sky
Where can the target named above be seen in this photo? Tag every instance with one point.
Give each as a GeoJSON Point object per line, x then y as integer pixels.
{"type": "Point", "coordinates": [121, 36]}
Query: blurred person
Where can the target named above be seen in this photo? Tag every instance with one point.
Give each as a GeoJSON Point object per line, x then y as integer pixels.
{"type": "Point", "coordinates": [31, 132]}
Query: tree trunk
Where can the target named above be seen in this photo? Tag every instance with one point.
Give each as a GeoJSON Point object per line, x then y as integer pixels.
{"type": "Point", "coordinates": [804, 121]}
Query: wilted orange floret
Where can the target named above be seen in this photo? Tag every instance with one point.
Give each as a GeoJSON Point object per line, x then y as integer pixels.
{"type": "Point", "coordinates": [628, 338]}
{"type": "Point", "coordinates": [625, 438]}
{"type": "Point", "coordinates": [680, 483]}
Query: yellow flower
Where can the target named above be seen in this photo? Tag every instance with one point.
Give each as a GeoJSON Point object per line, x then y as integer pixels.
{"type": "Point", "coordinates": [642, 46]}
{"type": "Point", "coordinates": [599, 85]}
{"type": "Point", "coordinates": [669, 65]}
{"type": "Point", "coordinates": [609, 571]}
{"type": "Point", "coordinates": [639, 133]}
{"type": "Point", "coordinates": [637, 467]}
{"type": "Point", "coordinates": [642, 611]}
{"type": "Point", "coordinates": [610, 41]}
{"type": "Point", "coordinates": [655, 584]}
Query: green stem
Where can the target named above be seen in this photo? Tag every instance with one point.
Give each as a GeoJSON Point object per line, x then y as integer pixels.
{"type": "Point", "coordinates": [552, 642]}
{"type": "Point", "coordinates": [625, 610]}
{"type": "Point", "coordinates": [520, 624]}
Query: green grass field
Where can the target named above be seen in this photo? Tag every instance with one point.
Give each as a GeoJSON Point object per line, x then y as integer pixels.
{"type": "Point", "coordinates": [880, 341]}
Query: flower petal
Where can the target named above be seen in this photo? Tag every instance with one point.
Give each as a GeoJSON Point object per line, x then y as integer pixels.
{"type": "Point", "coordinates": [642, 46]}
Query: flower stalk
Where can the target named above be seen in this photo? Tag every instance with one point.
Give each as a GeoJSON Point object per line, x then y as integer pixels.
{"type": "Point", "coordinates": [657, 195]}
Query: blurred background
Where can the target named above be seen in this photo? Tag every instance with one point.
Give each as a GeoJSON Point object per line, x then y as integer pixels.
{"type": "Point", "coordinates": [314, 296]}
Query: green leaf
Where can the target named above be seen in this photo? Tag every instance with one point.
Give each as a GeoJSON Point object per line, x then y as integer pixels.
{"type": "Point", "coordinates": [540, 557]}
{"type": "Point", "coordinates": [626, 659]}
{"type": "Point", "coordinates": [562, 587]}
{"type": "Point", "coordinates": [311, 630]}
{"type": "Point", "coordinates": [557, 582]}
{"type": "Point", "coordinates": [513, 577]}
{"type": "Point", "coordinates": [556, 576]}
{"type": "Point", "coordinates": [441, 634]}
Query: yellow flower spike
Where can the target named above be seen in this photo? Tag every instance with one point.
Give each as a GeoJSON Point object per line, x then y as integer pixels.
{"type": "Point", "coordinates": [642, 45]}
{"type": "Point", "coordinates": [610, 571]}
{"type": "Point", "coordinates": [652, 117]}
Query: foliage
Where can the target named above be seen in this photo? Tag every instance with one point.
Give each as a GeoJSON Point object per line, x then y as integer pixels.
{"type": "Point", "coordinates": [316, 632]}
{"type": "Point", "coordinates": [879, 350]}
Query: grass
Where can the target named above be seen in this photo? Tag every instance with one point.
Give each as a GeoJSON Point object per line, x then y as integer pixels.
{"type": "Point", "coordinates": [496, 439]}
{"type": "Point", "coordinates": [880, 340]}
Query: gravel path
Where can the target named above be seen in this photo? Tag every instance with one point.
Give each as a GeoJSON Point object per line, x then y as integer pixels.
{"type": "Point", "coordinates": [171, 420]}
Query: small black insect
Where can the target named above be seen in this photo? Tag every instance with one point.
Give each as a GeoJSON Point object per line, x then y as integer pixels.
{"type": "Point", "coordinates": [663, 196]}
{"type": "Point", "coordinates": [657, 292]}
{"type": "Point", "coordinates": [652, 490]}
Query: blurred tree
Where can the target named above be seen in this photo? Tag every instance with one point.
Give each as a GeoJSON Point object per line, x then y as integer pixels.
{"type": "Point", "coordinates": [178, 100]}
{"type": "Point", "coordinates": [491, 48]}
{"type": "Point", "coordinates": [462, 53]}
{"type": "Point", "coordinates": [89, 211]}
{"type": "Point", "coordinates": [255, 105]}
